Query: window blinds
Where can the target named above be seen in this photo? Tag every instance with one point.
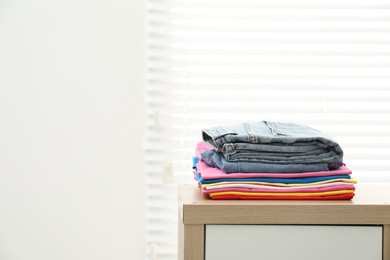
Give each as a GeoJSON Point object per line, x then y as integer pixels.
{"type": "Point", "coordinates": [217, 62]}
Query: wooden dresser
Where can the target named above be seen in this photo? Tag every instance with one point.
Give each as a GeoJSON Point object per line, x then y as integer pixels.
{"type": "Point", "coordinates": [279, 230]}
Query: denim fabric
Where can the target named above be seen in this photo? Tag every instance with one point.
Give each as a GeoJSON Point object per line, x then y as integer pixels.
{"type": "Point", "coordinates": [274, 143]}
{"type": "Point", "coordinates": [215, 159]}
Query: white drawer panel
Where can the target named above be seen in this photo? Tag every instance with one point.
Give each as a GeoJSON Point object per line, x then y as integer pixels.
{"type": "Point", "coordinates": [293, 242]}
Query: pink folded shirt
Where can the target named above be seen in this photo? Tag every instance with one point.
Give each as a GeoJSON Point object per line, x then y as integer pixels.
{"type": "Point", "coordinates": [288, 190]}
{"type": "Point", "coordinates": [339, 184]}
{"type": "Point", "coordinates": [240, 197]}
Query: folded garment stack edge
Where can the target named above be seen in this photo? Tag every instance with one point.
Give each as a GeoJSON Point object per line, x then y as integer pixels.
{"type": "Point", "coordinates": [271, 161]}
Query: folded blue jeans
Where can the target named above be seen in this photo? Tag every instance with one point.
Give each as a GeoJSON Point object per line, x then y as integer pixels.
{"type": "Point", "coordinates": [275, 143]}
{"type": "Point", "coordinates": [215, 159]}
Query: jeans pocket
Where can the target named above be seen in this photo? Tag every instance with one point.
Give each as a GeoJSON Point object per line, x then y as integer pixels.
{"type": "Point", "coordinates": [274, 129]}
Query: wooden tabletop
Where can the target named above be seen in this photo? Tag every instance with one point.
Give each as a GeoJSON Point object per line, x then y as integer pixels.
{"type": "Point", "coordinates": [371, 205]}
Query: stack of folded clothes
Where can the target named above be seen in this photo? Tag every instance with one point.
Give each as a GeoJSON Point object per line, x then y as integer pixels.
{"type": "Point", "coordinates": [271, 160]}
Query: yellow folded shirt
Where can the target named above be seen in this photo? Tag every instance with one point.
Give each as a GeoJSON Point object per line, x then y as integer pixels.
{"type": "Point", "coordinates": [281, 184]}
{"type": "Point", "coordinates": [271, 194]}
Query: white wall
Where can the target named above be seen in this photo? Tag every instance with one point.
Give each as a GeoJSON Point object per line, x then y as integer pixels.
{"type": "Point", "coordinates": [71, 104]}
